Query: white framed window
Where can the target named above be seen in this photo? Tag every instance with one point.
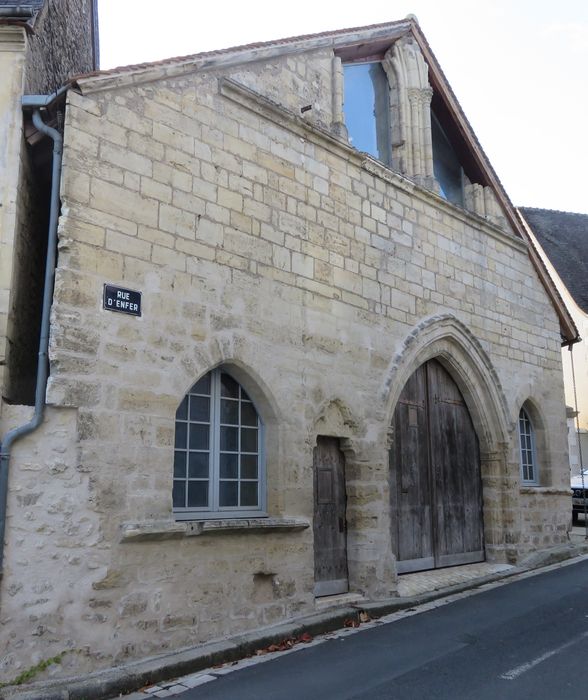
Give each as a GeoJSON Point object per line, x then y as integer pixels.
{"type": "Point", "coordinates": [218, 451]}
{"type": "Point", "coordinates": [366, 107]}
{"type": "Point", "coordinates": [528, 451]}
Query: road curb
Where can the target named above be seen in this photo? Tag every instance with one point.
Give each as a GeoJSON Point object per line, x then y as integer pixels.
{"type": "Point", "coordinates": [132, 676]}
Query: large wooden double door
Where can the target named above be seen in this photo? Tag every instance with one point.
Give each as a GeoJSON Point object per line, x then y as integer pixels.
{"type": "Point", "coordinates": [436, 492]}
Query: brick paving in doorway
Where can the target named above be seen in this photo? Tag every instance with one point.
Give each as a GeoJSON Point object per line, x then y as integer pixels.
{"type": "Point", "coordinates": [436, 579]}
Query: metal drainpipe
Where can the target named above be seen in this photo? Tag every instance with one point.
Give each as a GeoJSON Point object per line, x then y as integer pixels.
{"type": "Point", "coordinates": [42, 366]}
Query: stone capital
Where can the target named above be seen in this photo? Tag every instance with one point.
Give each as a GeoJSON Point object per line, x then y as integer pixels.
{"type": "Point", "coordinates": [12, 38]}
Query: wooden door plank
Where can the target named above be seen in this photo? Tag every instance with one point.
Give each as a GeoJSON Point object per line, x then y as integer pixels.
{"type": "Point", "coordinates": [436, 492]}
{"type": "Point", "coordinates": [329, 524]}
{"type": "Point", "coordinates": [455, 466]}
{"type": "Point", "coordinates": [412, 519]}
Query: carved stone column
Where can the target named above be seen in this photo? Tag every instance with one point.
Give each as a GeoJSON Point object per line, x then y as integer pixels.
{"type": "Point", "coordinates": [482, 201]}
{"type": "Point", "coordinates": [338, 124]}
{"type": "Point", "coordinates": [412, 147]}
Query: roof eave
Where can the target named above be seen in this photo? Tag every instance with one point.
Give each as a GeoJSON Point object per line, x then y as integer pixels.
{"type": "Point", "coordinates": [568, 328]}
{"type": "Point", "coordinates": [240, 55]}
{"type": "Point", "coordinates": [441, 85]}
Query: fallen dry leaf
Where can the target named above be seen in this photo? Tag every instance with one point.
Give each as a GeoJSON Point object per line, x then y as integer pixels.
{"type": "Point", "coordinates": [351, 622]}
{"type": "Point", "coordinates": [285, 644]}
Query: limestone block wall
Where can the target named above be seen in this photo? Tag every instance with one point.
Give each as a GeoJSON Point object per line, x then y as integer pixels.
{"type": "Point", "coordinates": [260, 244]}
{"type": "Point", "coordinates": [52, 549]}
{"type": "Point", "coordinates": [541, 526]}
{"type": "Point", "coordinates": [295, 83]}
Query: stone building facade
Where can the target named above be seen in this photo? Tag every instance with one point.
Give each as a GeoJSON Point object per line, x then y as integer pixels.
{"type": "Point", "coordinates": [301, 283]}
{"type": "Point", "coordinates": [42, 44]}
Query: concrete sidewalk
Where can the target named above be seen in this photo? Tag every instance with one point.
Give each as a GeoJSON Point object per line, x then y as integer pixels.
{"type": "Point", "coordinates": [415, 590]}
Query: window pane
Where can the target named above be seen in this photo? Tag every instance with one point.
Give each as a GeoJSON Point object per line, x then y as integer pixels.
{"type": "Point", "coordinates": [180, 464]}
{"type": "Point", "coordinates": [229, 466]}
{"type": "Point", "coordinates": [198, 465]}
{"type": "Point", "coordinates": [248, 440]}
{"type": "Point", "coordinates": [182, 412]}
{"type": "Point", "coordinates": [249, 493]}
{"type": "Point", "coordinates": [229, 411]}
{"type": "Point", "coordinates": [228, 493]}
{"type": "Point", "coordinates": [197, 494]}
{"type": "Point", "coordinates": [446, 165]}
{"type": "Point", "coordinates": [229, 441]}
{"type": "Point", "coordinates": [527, 443]}
{"type": "Point", "coordinates": [367, 109]}
{"type": "Point", "coordinates": [199, 436]}
{"type": "Point", "coordinates": [200, 408]}
{"type": "Point", "coordinates": [202, 386]}
{"type": "Point", "coordinates": [181, 434]}
{"type": "Point", "coordinates": [249, 466]}
{"type": "Point", "coordinates": [248, 414]}
{"type": "Point", "coordinates": [217, 428]}
{"type": "Point", "coordinates": [179, 494]}
{"type": "Point", "coordinates": [229, 386]}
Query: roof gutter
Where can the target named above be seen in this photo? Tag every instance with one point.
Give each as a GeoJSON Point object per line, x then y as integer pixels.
{"type": "Point", "coordinates": [37, 103]}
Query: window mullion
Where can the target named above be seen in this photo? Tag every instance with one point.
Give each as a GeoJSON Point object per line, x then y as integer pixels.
{"type": "Point", "coordinates": [261, 484]}
{"type": "Point", "coordinates": [239, 434]}
{"type": "Point", "coordinates": [215, 444]}
{"type": "Point", "coordinates": [239, 450]}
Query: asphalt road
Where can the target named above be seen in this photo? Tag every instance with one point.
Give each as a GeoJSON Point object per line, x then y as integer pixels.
{"type": "Point", "coordinates": [525, 639]}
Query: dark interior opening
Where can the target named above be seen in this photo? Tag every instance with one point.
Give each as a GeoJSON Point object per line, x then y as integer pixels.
{"type": "Point", "coordinates": [30, 254]}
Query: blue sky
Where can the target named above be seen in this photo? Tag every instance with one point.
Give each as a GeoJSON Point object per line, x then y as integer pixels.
{"type": "Point", "coordinates": [518, 67]}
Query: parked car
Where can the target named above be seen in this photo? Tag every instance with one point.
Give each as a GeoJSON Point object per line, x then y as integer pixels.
{"type": "Point", "coordinates": [579, 495]}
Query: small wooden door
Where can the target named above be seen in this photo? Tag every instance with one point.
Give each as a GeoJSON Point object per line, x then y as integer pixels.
{"type": "Point", "coordinates": [330, 526]}
{"type": "Point", "coordinates": [436, 485]}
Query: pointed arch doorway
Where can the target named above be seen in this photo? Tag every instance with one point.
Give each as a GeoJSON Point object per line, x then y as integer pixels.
{"type": "Point", "coordinates": [436, 489]}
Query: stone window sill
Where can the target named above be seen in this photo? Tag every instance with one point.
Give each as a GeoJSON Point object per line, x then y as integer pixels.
{"type": "Point", "coordinates": [545, 491]}
{"type": "Point", "coordinates": [154, 530]}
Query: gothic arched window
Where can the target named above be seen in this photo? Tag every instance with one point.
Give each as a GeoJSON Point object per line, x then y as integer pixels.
{"type": "Point", "coordinates": [218, 456]}
{"type": "Point", "coordinates": [529, 473]}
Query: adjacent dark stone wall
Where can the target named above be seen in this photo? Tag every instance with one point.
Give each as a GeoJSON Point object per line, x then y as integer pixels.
{"type": "Point", "coordinates": [62, 45]}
